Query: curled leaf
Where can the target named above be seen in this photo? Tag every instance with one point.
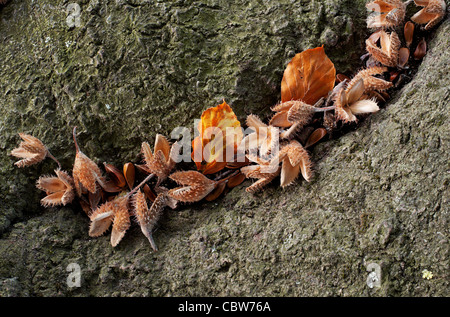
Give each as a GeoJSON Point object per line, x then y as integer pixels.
{"type": "Point", "coordinates": [111, 187]}
{"type": "Point", "coordinates": [341, 77]}
{"type": "Point", "coordinates": [421, 49]}
{"type": "Point", "coordinates": [129, 173]}
{"type": "Point", "coordinates": [409, 33]}
{"type": "Point", "coordinates": [220, 187]}
{"type": "Point", "coordinates": [149, 193]}
{"type": "Point", "coordinates": [95, 198]}
{"type": "Point", "coordinates": [403, 57]}
{"type": "Point", "coordinates": [393, 75]}
{"type": "Point", "coordinates": [115, 174]}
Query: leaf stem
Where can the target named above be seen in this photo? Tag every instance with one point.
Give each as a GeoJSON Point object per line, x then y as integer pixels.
{"type": "Point", "coordinates": [75, 139]}
{"type": "Point", "coordinates": [50, 155]}
{"type": "Point", "coordinates": [149, 177]}
{"type": "Point", "coordinates": [324, 109]}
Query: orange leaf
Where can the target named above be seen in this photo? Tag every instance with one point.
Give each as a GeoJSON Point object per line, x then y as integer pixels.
{"type": "Point", "coordinates": [220, 135]}
{"type": "Point", "coordinates": [309, 76]}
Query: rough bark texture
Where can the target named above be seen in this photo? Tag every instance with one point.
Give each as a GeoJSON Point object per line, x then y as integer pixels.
{"type": "Point", "coordinates": [132, 69]}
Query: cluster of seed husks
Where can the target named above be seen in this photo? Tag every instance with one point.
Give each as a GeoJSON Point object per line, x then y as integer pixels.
{"type": "Point", "coordinates": [297, 118]}
{"type": "Point", "coordinates": [277, 149]}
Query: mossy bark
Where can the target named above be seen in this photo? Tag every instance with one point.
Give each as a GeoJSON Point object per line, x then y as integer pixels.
{"type": "Point", "coordinates": [133, 69]}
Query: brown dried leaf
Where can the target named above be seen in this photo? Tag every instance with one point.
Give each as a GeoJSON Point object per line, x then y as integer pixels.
{"type": "Point", "coordinates": [309, 76]}
{"type": "Point", "coordinates": [409, 33]}
{"type": "Point", "coordinates": [149, 193]}
{"type": "Point", "coordinates": [116, 175]}
{"type": "Point", "coordinates": [95, 198]}
{"type": "Point", "coordinates": [220, 135]}
{"type": "Point", "coordinates": [111, 187]}
{"type": "Point", "coordinates": [421, 49]}
{"type": "Point", "coordinates": [236, 180]}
